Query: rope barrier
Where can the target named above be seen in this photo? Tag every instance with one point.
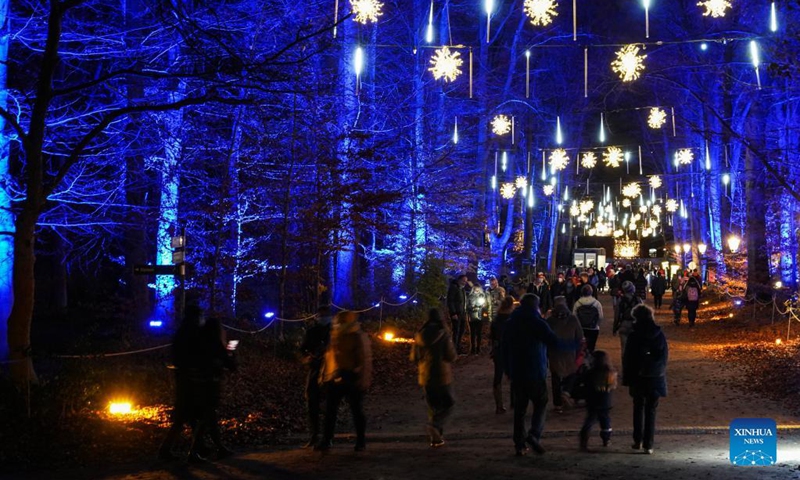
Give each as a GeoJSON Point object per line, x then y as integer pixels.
{"type": "Point", "coordinates": [115, 354]}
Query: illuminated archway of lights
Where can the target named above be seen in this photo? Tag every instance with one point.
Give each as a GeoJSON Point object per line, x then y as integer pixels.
{"type": "Point", "coordinates": [672, 205]}
{"type": "Point", "coordinates": [632, 190]}
{"type": "Point", "coordinates": [613, 157]}
{"type": "Point", "coordinates": [588, 160]}
{"type": "Point", "coordinates": [548, 189]}
{"type": "Point", "coordinates": [715, 8]}
{"type": "Point", "coordinates": [657, 118]}
{"type": "Point", "coordinates": [541, 12]}
{"type": "Point", "coordinates": [684, 156]}
{"type": "Point", "coordinates": [446, 64]}
{"type": "Point", "coordinates": [365, 11]}
{"type": "Point", "coordinates": [559, 159]}
{"type": "Point", "coordinates": [501, 125]}
{"type": "Point", "coordinates": [508, 190]}
{"type": "Point", "coordinates": [655, 181]}
{"type": "Point", "coordinates": [521, 183]}
{"type": "Point", "coordinates": [629, 64]}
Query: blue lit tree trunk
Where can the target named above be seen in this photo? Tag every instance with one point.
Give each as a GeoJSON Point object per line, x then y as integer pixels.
{"type": "Point", "coordinates": [6, 217]}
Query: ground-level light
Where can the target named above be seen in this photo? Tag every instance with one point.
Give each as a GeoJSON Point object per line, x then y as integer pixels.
{"type": "Point", "coordinates": [733, 243]}
{"type": "Point", "coordinates": [120, 408]}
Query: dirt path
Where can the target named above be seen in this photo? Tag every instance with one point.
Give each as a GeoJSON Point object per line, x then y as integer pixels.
{"type": "Point", "coordinates": [691, 442]}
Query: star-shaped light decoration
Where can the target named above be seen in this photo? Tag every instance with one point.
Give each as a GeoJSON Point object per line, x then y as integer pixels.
{"type": "Point", "coordinates": [586, 206]}
{"type": "Point", "coordinates": [365, 11]}
{"type": "Point", "coordinates": [632, 190]}
{"type": "Point", "coordinates": [656, 210]}
{"type": "Point", "coordinates": [508, 190]}
{"type": "Point", "coordinates": [647, 232]}
{"type": "Point", "coordinates": [684, 156]}
{"type": "Point", "coordinates": [628, 64]}
{"type": "Point", "coordinates": [613, 157]}
{"type": "Point", "coordinates": [715, 8]}
{"type": "Point", "coordinates": [574, 210]}
{"type": "Point", "coordinates": [642, 208]}
{"type": "Point", "coordinates": [618, 233]}
{"type": "Point", "coordinates": [501, 125]}
{"type": "Point", "coordinates": [541, 12]}
{"type": "Point", "coordinates": [548, 189]}
{"type": "Point", "coordinates": [446, 64]}
{"type": "Point", "coordinates": [672, 205]}
{"type": "Point", "coordinates": [521, 182]}
{"type": "Point", "coordinates": [657, 118]}
{"type": "Point", "coordinates": [626, 202]}
{"type": "Point", "coordinates": [588, 160]}
{"type": "Point", "coordinates": [559, 159]}
{"type": "Point", "coordinates": [655, 181]}
{"type": "Point", "coordinates": [632, 226]}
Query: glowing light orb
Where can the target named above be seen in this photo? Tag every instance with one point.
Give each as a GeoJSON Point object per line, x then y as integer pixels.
{"type": "Point", "coordinates": [588, 160]}
{"type": "Point", "coordinates": [613, 157]}
{"type": "Point", "coordinates": [714, 8]}
{"type": "Point", "coordinates": [559, 159]}
{"type": "Point", "coordinates": [540, 12]}
{"type": "Point", "coordinates": [657, 118]}
{"type": "Point", "coordinates": [629, 64]}
{"type": "Point", "coordinates": [548, 190]}
{"type": "Point", "coordinates": [508, 190]}
{"type": "Point", "coordinates": [655, 181]}
{"type": "Point", "coordinates": [501, 125]}
{"type": "Point", "coordinates": [684, 156]}
{"type": "Point", "coordinates": [521, 182]}
{"type": "Point", "coordinates": [446, 64]}
{"type": "Point", "coordinates": [366, 11]}
{"type": "Point", "coordinates": [632, 190]}
{"type": "Point", "coordinates": [672, 205]}
{"type": "Point", "coordinates": [120, 408]}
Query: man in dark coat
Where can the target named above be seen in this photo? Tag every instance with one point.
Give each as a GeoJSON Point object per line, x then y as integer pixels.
{"type": "Point", "coordinates": [457, 309]}
{"type": "Point", "coordinates": [558, 288]}
{"type": "Point", "coordinates": [644, 372]}
{"type": "Point", "coordinates": [658, 286]}
{"type": "Point", "coordinates": [541, 289]}
{"type": "Point", "coordinates": [315, 342]}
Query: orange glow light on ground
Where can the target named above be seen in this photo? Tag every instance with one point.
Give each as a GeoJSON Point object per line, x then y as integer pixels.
{"type": "Point", "coordinates": [389, 337]}
{"type": "Point", "coordinates": [120, 408]}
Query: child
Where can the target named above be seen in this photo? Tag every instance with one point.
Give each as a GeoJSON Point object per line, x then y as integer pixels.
{"type": "Point", "coordinates": [601, 379]}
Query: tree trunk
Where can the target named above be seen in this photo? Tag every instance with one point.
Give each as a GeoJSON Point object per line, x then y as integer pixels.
{"type": "Point", "coordinates": [19, 321]}
{"type": "Point", "coordinates": [6, 218]}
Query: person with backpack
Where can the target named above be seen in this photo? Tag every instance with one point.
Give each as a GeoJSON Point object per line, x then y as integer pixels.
{"type": "Point", "coordinates": [589, 312]}
{"type": "Point", "coordinates": [691, 298]}
{"type": "Point", "coordinates": [563, 362]}
{"type": "Point", "coordinates": [623, 323]}
{"type": "Point", "coordinates": [677, 298]}
{"type": "Point", "coordinates": [601, 380]}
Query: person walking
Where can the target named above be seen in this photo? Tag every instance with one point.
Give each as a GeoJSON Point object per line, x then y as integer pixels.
{"type": "Point", "coordinates": [658, 286]}
{"type": "Point", "coordinates": [433, 352]}
{"type": "Point", "coordinates": [644, 372]}
{"type": "Point", "coordinates": [525, 342]}
{"type": "Point", "coordinates": [496, 337]}
{"type": "Point", "coordinates": [541, 289]}
{"type": "Point", "coordinates": [315, 343]}
{"type": "Point", "coordinates": [457, 309]}
{"type": "Point", "coordinates": [601, 380]}
{"type": "Point", "coordinates": [641, 285]}
{"type": "Point", "coordinates": [477, 310]}
{"type": "Point", "coordinates": [558, 288]}
{"type": "Point", "coordinates": [677, 298]}
{"type": "Point", "coordinates": [691, 297]}
{"type": "Point", "coordinates": [589, 312]}
{"type": "Point", "coordinates": [563, 363]}
{"type": "Point", "coordinates": [623, 323]}
{"type": "Point", "coordinates": [347, 374]}
{"type": "Point", "coordinates": [495, 294]}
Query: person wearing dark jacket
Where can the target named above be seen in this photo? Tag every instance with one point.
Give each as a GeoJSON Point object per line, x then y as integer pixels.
{"type": "Point", "coordinates": [691, 297]}
{"type": "Point", "coordinates": [558, 288]}
{"type": "Point", "coordinates": [433, 352]}
{"type": "Point", "coordinates": [315, 342]}
{"type": "Point", "coordinates": [496, 337]}
{"type": "Point", "coordinates": [563, 363]}
{"type": "Point", "coordinates": [623, 323]}
{"type": "Point", "coordinates": [658, 286]}
{"type": "Point", "coordinates": [525, 342]}
{"type": "Point", "coordinates": [641, 285]}
{"type": "Point", "coordinates": [541, 289]}
{"type": "Point", "coordinates": [644, 372]}
{"type": "Point", "coordinates": [457, 309]}
{"type": "Point", "coordinates": [601, 380]}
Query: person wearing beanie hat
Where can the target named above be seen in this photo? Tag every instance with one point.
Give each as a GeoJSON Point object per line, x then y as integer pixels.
{"type": "Point", "coordinates": [623, 322]}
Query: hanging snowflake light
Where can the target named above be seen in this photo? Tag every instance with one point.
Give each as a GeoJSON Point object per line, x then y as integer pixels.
{"type": "Point", "coordinates": [657, 118]}
{"type": "Point", "coordinates": [501, 125]}
{"type": "Point", "coordinates": [656, 210]}
{"type": "Point", "coordinates": [521, 182]}
{"type": "Point", "coordinates": [541, 12]}
{"type": "Point", "coordinates": [684, 156]}
{"type": "Point", "coordinates": [508, 190]}
{"type": "Point", "coordinates": [588, 160]}
{"type": "Point", "coordinates": [559, 159]}
{"type": "Point", "coordinates": [655, 181]}
{"type": "Point", "coordinates": [715, 8]}
{"type": "Point", "coordinates": [574, 210]}
{"type": "Point", "coordinates": [548, 189]}
{"type": "Point", "coordinates": [366, 11]}
{"type": "Point", "coordinates": [586, 206]}
{"type": "Point", "coordinates": [672, 205]}
{"type": "Point", "coordinates": [626, 202]}
{"type": "Point", "coordinates": [618, 233]}
{"type": "Point", "coordinates": [613, 157]}
{"type": "Point", "coordinates": [632, 190]}
{"type": "Point", "coordinates": [642, 208]}
{"type": "Point", "coordinates": [628, 64]}
{"type": "Point", "coordinates": [446, 64]}
{"type": "Point", "coordinates": [647, 232]}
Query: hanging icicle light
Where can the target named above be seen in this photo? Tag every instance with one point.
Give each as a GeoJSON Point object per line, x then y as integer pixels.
{"type": "Point", "coordinates": [657, 118]}
{"type": "Point", "coordinates": [494, 182]}
{"type": "Point", "coordinates": [366, 11]}
{"type": "Point", "coordinates": [684, 213]}
{"type": "Point", "coordinates": [504, 161]}
{"type": "Point", "coordinates": [548, 190]}
{"type": "Point", "coordinates": [708, 157]}
{"type": "Point", "coordinates": [715, 8]}
{"type": "Point", "coordinates": [489, 4]}
{"type": "Point", "coordinates": [540, 12]}
{"type": "Point", "coordinates": [588, 160]}
{"type": "Point", "coordinates": [446, 64]}
{"type": "Point", "coordinates": [508, 190]}
{"type": "Point", "coordinates": [566, 193]}
{"type": "Point", "coordinates": [773, 18]}
{"type": "Point", "coordinates": [756, 61]}
{"type": "Point", "coordinates": [646, 4]}
{"type": "Point", "coordinates": [558, 160]}
{"type": "Point", "coordinates": [455, 132]}
{"type": "Point", "coordinates": [521, 182]}
{"type": "Point", "coordinates": [602, 130]}
{"type": "Point", "coordinates": [501, 125]}
{"type": "Point", "coordinates": [559, 135]}
{"type": "Point", "coordinates": [429, 30]}
{"type": "Point", "coordinates": [358, 66]}
{"type": "Point", "coordinates": [655, 181]}
{"type": "Point", "coordinates": [629, 64]}
{"type": "Point", "coordinates": [613, 157]}
{"type": "Point", "coordinates": [632, 190]}
{"type": "Point", "coordinates": [531, 200]}
{"type": "Point", "coordinates": [684, 156]}
{"type": "Point", "coordinates": [672, 205]}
